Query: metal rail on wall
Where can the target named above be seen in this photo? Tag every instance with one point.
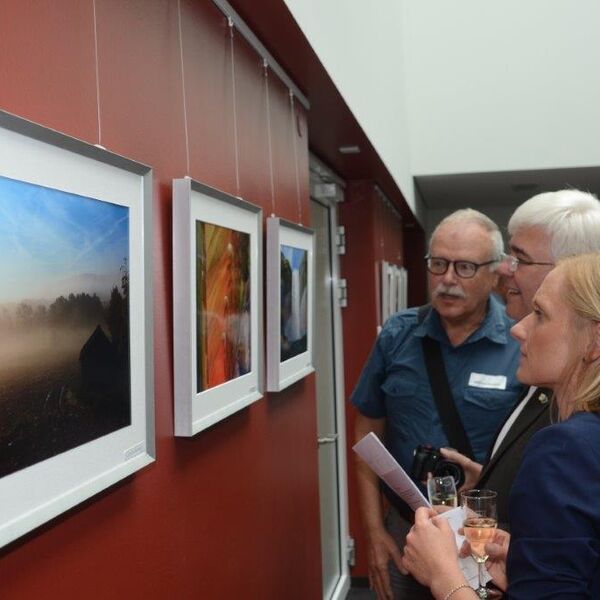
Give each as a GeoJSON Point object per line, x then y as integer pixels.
{"type": "Point", "coordinates": [251, 38]}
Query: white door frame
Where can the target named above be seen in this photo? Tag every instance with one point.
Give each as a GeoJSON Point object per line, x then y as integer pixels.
{"type": "Point", "coordinates": [319, 174]}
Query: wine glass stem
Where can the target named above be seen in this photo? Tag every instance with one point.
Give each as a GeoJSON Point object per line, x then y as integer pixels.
{"type": "Point", "coordinates": [481, 590]}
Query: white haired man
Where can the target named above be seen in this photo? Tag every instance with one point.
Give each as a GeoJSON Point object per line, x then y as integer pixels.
{"type": "Point", "coordinates": [544, 229]}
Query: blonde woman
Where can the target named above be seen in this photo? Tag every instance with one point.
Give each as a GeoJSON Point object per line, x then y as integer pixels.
{"type": "Point", "coordinates": [554, 549]}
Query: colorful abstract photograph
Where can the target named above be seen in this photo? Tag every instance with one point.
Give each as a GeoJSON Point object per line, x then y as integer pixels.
{"type": "Point", "coordinates": [223, 304]}
{"type": "Point", "coordinates": [294, 309]}
{"type": "Point", "coordinates": [64, 322]}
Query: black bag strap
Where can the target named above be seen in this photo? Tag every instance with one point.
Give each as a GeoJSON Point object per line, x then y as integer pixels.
{"type": "Point", "coordinates": [451, 421]}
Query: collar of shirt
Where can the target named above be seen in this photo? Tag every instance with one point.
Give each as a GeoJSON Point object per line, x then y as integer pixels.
{"type": "Point", "coordinates": [496, 326]}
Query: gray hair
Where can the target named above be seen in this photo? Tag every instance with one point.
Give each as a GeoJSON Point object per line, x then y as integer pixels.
{"type": "Point", "coordinates": [469, 215]}
{"type": "Point", "coordinates": [570, 217]}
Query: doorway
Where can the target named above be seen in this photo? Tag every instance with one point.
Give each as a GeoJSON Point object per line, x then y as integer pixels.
{"type": "Point", "coordinates": [330, 403]}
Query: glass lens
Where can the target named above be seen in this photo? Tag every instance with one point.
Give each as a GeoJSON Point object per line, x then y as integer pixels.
{"type": "Point", "coordinates": [437, 266]}
{"type": "Point", "coordinates": [465, 268]}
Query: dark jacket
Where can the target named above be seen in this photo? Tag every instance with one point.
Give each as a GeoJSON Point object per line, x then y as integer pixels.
{"type": "Point", "coordinates": [500, 471]}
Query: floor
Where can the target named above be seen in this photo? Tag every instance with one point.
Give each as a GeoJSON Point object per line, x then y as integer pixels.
{"type": "Point", "coordinates": [360, 593]}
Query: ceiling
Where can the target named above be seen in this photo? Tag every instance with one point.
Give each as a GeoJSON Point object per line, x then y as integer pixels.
{"type": "Point", "coordinates": [331, 123]}
{"type": "Point", "coordinates": [504, 188]}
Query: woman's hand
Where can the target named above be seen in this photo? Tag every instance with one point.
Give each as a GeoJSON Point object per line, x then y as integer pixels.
{"type": "Point", "coordinates": [430, 554]}
{"type": "Point", "coordinates": [496, 563]}
{"type": "Point", "coordinates": [497, 551]}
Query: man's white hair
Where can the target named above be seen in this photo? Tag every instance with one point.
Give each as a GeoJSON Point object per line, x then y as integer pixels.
{"type": "Point", "coordinates": [571, 218]}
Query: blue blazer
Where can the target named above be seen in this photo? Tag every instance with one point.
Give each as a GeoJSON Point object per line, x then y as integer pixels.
{"type": "Point", "coordinates": [554, 514]}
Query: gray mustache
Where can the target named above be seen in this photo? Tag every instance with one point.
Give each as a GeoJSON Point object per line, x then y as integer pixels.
{"type": "Point", "coordinates": [452, 290]}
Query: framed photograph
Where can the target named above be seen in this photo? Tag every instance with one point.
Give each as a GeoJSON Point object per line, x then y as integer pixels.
{"type": "Point", "coordinates": [290, 303]}
{"type": "Point", "coordinates": [217, 305]}
{"type": "Point", "coordinates": [76, 376]}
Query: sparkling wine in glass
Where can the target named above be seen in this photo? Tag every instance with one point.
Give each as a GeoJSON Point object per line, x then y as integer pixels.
{"type": "Point", "coordinates": [480, 522]}
{"type": "Point", "coordinates": [442, 492]}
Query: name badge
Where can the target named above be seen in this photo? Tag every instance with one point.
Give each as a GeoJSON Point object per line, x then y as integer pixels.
{"type": "Point", "coordinates": [490, 382]}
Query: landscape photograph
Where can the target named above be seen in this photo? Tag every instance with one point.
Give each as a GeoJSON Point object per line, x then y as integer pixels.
{"type": "Point", "coordinates": [64, 322]}
{"type": "Point", "coordinates": [222, 305]}
{"type": "Point", "coordinates": [294, 309]}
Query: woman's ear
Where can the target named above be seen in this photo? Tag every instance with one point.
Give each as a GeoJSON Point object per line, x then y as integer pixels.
{"type": "Point", "coordinates": [594, 348]}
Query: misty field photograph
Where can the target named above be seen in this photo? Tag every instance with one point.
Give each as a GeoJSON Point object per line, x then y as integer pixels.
{"type": "Point", "coordinates": [64, 322]}
{"type": "Point", "coordinates": [294, 309]}
{"type": "Point", "coordinates": [222, 305]}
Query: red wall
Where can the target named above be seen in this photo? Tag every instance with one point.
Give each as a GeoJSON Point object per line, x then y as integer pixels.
{"type": "Point", "coordinates": [232, 512]}
{"type": "Point", "coordinates": [374, 232]}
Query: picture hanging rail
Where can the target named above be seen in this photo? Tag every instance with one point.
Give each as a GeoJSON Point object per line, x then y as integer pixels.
{"type": "Point", "coordinates": [290, 303]}
{"type": "Point", "coordinates": [76, 373]}
{"type": "Point", "coordinates": [217, 305]}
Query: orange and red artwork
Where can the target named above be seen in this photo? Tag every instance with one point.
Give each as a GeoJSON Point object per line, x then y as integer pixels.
{"type": "Point", "coordinates": [222, 304]}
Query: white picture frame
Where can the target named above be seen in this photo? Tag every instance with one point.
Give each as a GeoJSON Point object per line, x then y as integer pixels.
{"type": "Point", "coordinates": [64, 176]}
{"type": "Point", "coordinates": [402, 282]}
{"type": "Point", "coordinates": [393, 282]}
{"type": "Point", "coordinates": [384, 292]}
{"type": "Point", "coordinates": [393, 289]}
{"type": "Point", "coordinates": [290, 302]}
{"type": "Point", "coordinates": [215, 379]}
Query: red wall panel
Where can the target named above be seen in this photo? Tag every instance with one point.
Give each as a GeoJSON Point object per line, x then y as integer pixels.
{"type": "Point", "coordinates": [359, 319]}
{"type": "Point", "coordinates": [234, 511]}
{"type": "Point", "coordinates": [287, 201]}
{"type": "Point", "coordinates": [252, 126]}
{"type": "Point", "coordinates": [373, 233]}
{"type": "Point", "coordinates": [41, 76]}
{"type": "Point", "coordinates": [207, 65]}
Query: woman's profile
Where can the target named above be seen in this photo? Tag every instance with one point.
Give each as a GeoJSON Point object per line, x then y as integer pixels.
{"type": "Point", "coordinates": [554, 547]}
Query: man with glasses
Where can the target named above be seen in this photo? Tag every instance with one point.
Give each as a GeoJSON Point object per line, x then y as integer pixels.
{"type": "Point", "coordinates": [543, 230]}
{"type": "Point", "coordinates": [394, 397]}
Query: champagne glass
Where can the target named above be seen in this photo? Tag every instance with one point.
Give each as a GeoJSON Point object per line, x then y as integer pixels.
{"type": "Point", "coordinates": [442, 492]}
{"type": "Point", "coordinates": [480, 522]}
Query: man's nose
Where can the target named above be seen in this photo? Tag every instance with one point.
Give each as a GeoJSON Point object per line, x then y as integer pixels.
{"type": "Point", "coordinates": [504, 269]}
{"type": "Point", "coordinates": [450, 275]}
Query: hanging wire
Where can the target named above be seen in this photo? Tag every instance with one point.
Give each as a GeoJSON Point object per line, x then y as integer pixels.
{"type": "Point", "coordinates": [268, 106]}
{"type": "Point", "coordinates": [235, 127]}
{"type": "Point", "coordinates": [99, 144]}
{"type": "Point", "coordinates": [185, 118]}
{"type": "Point", "coordinates": [293, 115]}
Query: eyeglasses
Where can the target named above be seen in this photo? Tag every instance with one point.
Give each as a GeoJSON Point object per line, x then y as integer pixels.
{"type": "Point", "coordinates": [465, 269]}
{"type": "Point", "coordinates": [513, 262]}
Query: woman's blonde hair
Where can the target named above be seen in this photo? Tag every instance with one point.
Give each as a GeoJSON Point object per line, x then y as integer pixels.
{"type": "Point", "coordinates": [582, 294]}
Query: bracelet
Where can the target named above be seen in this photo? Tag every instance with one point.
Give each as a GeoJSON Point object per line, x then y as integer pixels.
{"type": "Point", "coordinates": [455, 589]}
